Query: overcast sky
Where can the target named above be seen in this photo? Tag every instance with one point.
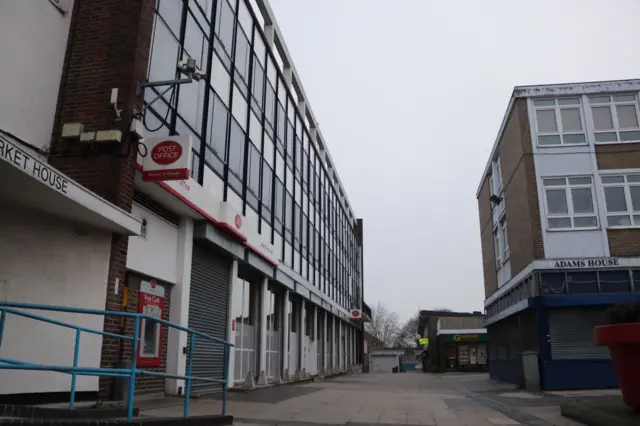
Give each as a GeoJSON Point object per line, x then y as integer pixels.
{"type": "Point", "coordinates": [410, 94]}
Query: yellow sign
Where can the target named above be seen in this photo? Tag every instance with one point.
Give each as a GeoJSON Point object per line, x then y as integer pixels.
{"type": "Point", "coordinates": [458, 337]}
{"type": "Point", "coordinates": [423, 341]}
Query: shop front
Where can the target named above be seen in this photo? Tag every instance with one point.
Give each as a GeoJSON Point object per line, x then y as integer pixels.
{"type": "Point", "coordinates": [463, 350]}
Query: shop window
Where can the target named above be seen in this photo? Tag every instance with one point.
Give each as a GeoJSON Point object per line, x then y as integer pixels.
{"type": "Point", "coordinates": [582, 282]}
{"type": "Point", "coordinates": [636, 280]}
{"type": "Point", "coordinates": [614, 281]}
{"type": "Point", "coordinates": [553, 283]}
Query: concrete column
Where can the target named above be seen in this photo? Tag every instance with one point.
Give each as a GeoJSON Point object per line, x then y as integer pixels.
{"type": "Point", "coordinates": [285, 332]}
{"type": "Point", "coordinates": [264, 300]}
{"type": "Point", "coordinates": [316, 342]}
{"type": "Point", "coordinates": [231, 333]}
{"type": "Point", "coordinates": [179, 312]}
{"type": "Point", "coordinates": [302, 336]}
{"type": "Point", "coordinates": [341, 345]}
{"type": "Point", "coordinates": [325, 344]}
{"type": "Point", "coordinates": [336, 343]}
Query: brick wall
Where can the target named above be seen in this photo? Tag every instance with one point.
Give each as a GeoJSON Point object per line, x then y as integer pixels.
{"type": "Point", "coordinates": [486, 240]}
{"type": "Point", "coordinates": [618, 156]}
{"type": "Point", "coordinates": [108, 47]}
{"type": "Point", "coordinates": [520, 190]}
{"type": "Point", "coordinates": [622, 242]}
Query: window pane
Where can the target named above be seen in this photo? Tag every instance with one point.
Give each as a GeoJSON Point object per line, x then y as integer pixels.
{"type": "Point", "coordinates": [585, 222]}
{"type": "Point", "coordinates": [218, 126]}
{"type": "Point", "coordinates": [557, 201]}
{"type": "Point", "coordinates": [569, 101]}
{"type": "Point", "coordinates": [254, 169]}
{"type": "Point", "coordinates": [630, 136]}
{"type": "Point", "coordinates": [571, 120]}
{"type": "Point", "coordinates": [612, 179]}
{"type": "Point", "coordinates": [549, 140]}
{"type": "Point", "coordinates": [615, 199]}
{"type": "Point", "coordinates": [599, 99]}
{"type": "Point", "coordinates": [582, 200]}
{"type": "Point", "coordinates": [554, 181]}
{"type": "Point", "coordinates": [236, 149]}
{"type": "Point", "coordinates": [559, 222]}
{"type": "Point", "coordinates": [602, 118]}
{"type": "Point", "coordinates": [243, 55]}
{"type": "Point", "coordinates": [606, 137]}
{"type": "Point", "coordinates": [267, 176]}
{"type": "Point", "coordinates": [627, 118]}
{"type": "Point", "coordinates": [618, 220]}
{"type": "Point", "coordinates": [624, 98]}
{"type": "Point", "coordinates": [547, 121]}
{"type": "Point", "coordinates": [579, 181]}
{"type": "Point", "coordinates": [224, 25]}
{"type": "Point", "coordinates": [577, 138]}
{"type": "Point", "coordinates": [635, 197]}
{"type": "Point", "coordinates": [544, 102]}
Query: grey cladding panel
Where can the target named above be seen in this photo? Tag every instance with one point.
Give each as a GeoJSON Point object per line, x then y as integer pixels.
{"type": "Point", "coordinates": [208, 302]}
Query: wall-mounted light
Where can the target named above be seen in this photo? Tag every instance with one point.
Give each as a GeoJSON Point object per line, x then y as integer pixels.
{"type": "Point", "coordinates": [143, 229]}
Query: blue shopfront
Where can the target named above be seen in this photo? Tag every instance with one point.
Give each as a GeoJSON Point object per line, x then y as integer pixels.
{"type": "Point", "coordinates": [558, 325]}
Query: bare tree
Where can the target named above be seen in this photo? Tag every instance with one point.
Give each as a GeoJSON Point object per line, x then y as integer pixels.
{"type": "Point", "coordinates": [408, 334]}
{"type": "Point", "coordinates": [384, 325]}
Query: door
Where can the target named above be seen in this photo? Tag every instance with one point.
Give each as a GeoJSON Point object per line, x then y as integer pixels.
{"type": "Point", "coordinates": [383, 363]}
{"type": "Point", "coordinates": [208, 300]}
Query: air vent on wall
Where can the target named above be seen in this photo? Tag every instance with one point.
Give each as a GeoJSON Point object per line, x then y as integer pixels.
{"type": "Point", "coordinates": [155, 207]}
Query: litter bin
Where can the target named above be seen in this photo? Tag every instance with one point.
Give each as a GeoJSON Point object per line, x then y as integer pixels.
{"type": "Point", "coordinates": [394, 370]}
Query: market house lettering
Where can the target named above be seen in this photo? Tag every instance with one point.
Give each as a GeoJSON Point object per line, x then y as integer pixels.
{"type": "Point", "coordinates": [22, 160]}
{"type": "Point", "coordinates": [587, 263]}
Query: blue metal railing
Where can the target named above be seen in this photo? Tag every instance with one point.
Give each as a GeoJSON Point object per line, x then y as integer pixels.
{"type": "Point", "coordinates": [74, 370]}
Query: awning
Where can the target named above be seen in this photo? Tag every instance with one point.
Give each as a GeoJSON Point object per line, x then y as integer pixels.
{"type": "Point", "coordinates": [29, 181]}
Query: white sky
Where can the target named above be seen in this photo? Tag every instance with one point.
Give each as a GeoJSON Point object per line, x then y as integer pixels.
{"type": "Point", "coordinates": [410, 94]}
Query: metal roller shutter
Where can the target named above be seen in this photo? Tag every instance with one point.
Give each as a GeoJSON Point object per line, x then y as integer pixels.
{"type": "Point", "coordinates": [208, 300]}
{"type": "Point", "coordinates": [571, 334]}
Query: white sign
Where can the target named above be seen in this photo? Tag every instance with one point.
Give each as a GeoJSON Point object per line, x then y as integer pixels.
{"type": "Point", "coordinates": [152, 287]}
{"type": "Point", "coordinates": [602, 262]}
{"type": "Point", "coordinates": [168, 158]}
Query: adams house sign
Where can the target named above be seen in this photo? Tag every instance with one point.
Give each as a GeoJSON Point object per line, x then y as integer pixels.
{"type": "Point", "coordinates": [599, 262]}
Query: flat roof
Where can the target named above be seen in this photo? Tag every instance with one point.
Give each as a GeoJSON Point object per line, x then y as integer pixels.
{"type": "Point", "coordinates": [563, 89]}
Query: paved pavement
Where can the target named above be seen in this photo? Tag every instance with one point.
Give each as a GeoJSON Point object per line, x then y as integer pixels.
{"type": "Point", "coordinates": [386, 399]}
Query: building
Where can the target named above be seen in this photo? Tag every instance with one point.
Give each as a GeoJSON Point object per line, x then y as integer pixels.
{"type": "Point", "coordinates": [558, 219]}
{"type": "Point", "coordinates": [434, 325]}
{"type": "Point", "coordinates": [251, 239]}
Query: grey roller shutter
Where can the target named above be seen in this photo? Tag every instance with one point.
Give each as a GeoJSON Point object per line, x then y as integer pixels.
{"type": "Point", "coordinates": [571, 334]}
{"type": "Point", "coordinates": [208, 300]}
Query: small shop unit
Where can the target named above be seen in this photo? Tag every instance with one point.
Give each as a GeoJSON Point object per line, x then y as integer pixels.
{"type": "Point", "coordinates": [462, 350]}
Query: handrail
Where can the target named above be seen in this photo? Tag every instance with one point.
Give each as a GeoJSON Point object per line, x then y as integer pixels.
{"type": "Point", "coordinates": [11, 308]}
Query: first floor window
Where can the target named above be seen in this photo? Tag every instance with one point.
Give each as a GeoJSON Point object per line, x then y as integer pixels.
{"type": "Point", "coordinates": [622, 198]}
{"type": "Point", "coordinates": [501, 243]}
{"type": "Point", "coordinates": [569, 203]}
{"type": "Point", "coordinates": [615, 118]}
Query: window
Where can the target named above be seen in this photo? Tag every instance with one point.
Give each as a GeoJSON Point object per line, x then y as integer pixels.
{"type": "Point", "coordinates": [559, 122]}
{"type": "Point", "coordinates": [501, 243]}
{"type": "Point", "coordinates": [622, 198]}
{"type": "Point", "coordinates": [615, 118]}
{"type": "Point", "coordinates": [496, 177]}
{"type": "Point", "coordinates": [569, 203]}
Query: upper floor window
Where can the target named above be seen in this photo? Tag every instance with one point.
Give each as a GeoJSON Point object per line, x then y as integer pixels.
{"type": "Point", "coordinates": [496, 177]}
{"type": "Point", "coordinates": [569, 203]}
{"type": "Point", "coordinates": [622, 198]}
{"type": "Point", "coordinates": [501, 243]}
{"type": "Point", "coordinates": [615, 118]}
{"type": "Point", "coordinates": [559, 122]}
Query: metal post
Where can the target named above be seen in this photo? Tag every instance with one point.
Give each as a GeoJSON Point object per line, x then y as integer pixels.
{"type": "Point", "coordinates": [134, 359]}
{"type": "Point", "coordinates": [187, 384]}
{"type": "Point", "coordinates": [3, 317]}
{"type": "Point", "coordinates": [76, 354]}
{"type": "Point", "coordinates": [227, 353]}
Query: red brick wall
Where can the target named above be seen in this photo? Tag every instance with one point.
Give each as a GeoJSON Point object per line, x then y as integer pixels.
{"type": "Point", "coordinates": [108, 47]}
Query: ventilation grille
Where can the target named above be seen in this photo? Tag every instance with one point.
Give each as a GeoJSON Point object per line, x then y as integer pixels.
{"type": "Point", "coordinates": [155, 207]}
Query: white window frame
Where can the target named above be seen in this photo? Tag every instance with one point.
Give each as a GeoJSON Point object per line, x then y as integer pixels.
{"type": "Point", "coordinates": [557, 109]}
{"type": "Point", "coordinates": [500, 242]}
{"type": "Point", "coordinates": [626, 185]}
{"type": "Point", "coordinates": [496, 177]}
{"type": "Point", "coordinates": [568, 186]}
{"type": "Point", "coordinates": [612, 103]}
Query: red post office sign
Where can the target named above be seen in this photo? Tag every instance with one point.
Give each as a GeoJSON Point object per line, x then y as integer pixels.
{"type": "Point", "coordinates": [168, 158]}
{"type": "Point", "coordinates": [151, 301]}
